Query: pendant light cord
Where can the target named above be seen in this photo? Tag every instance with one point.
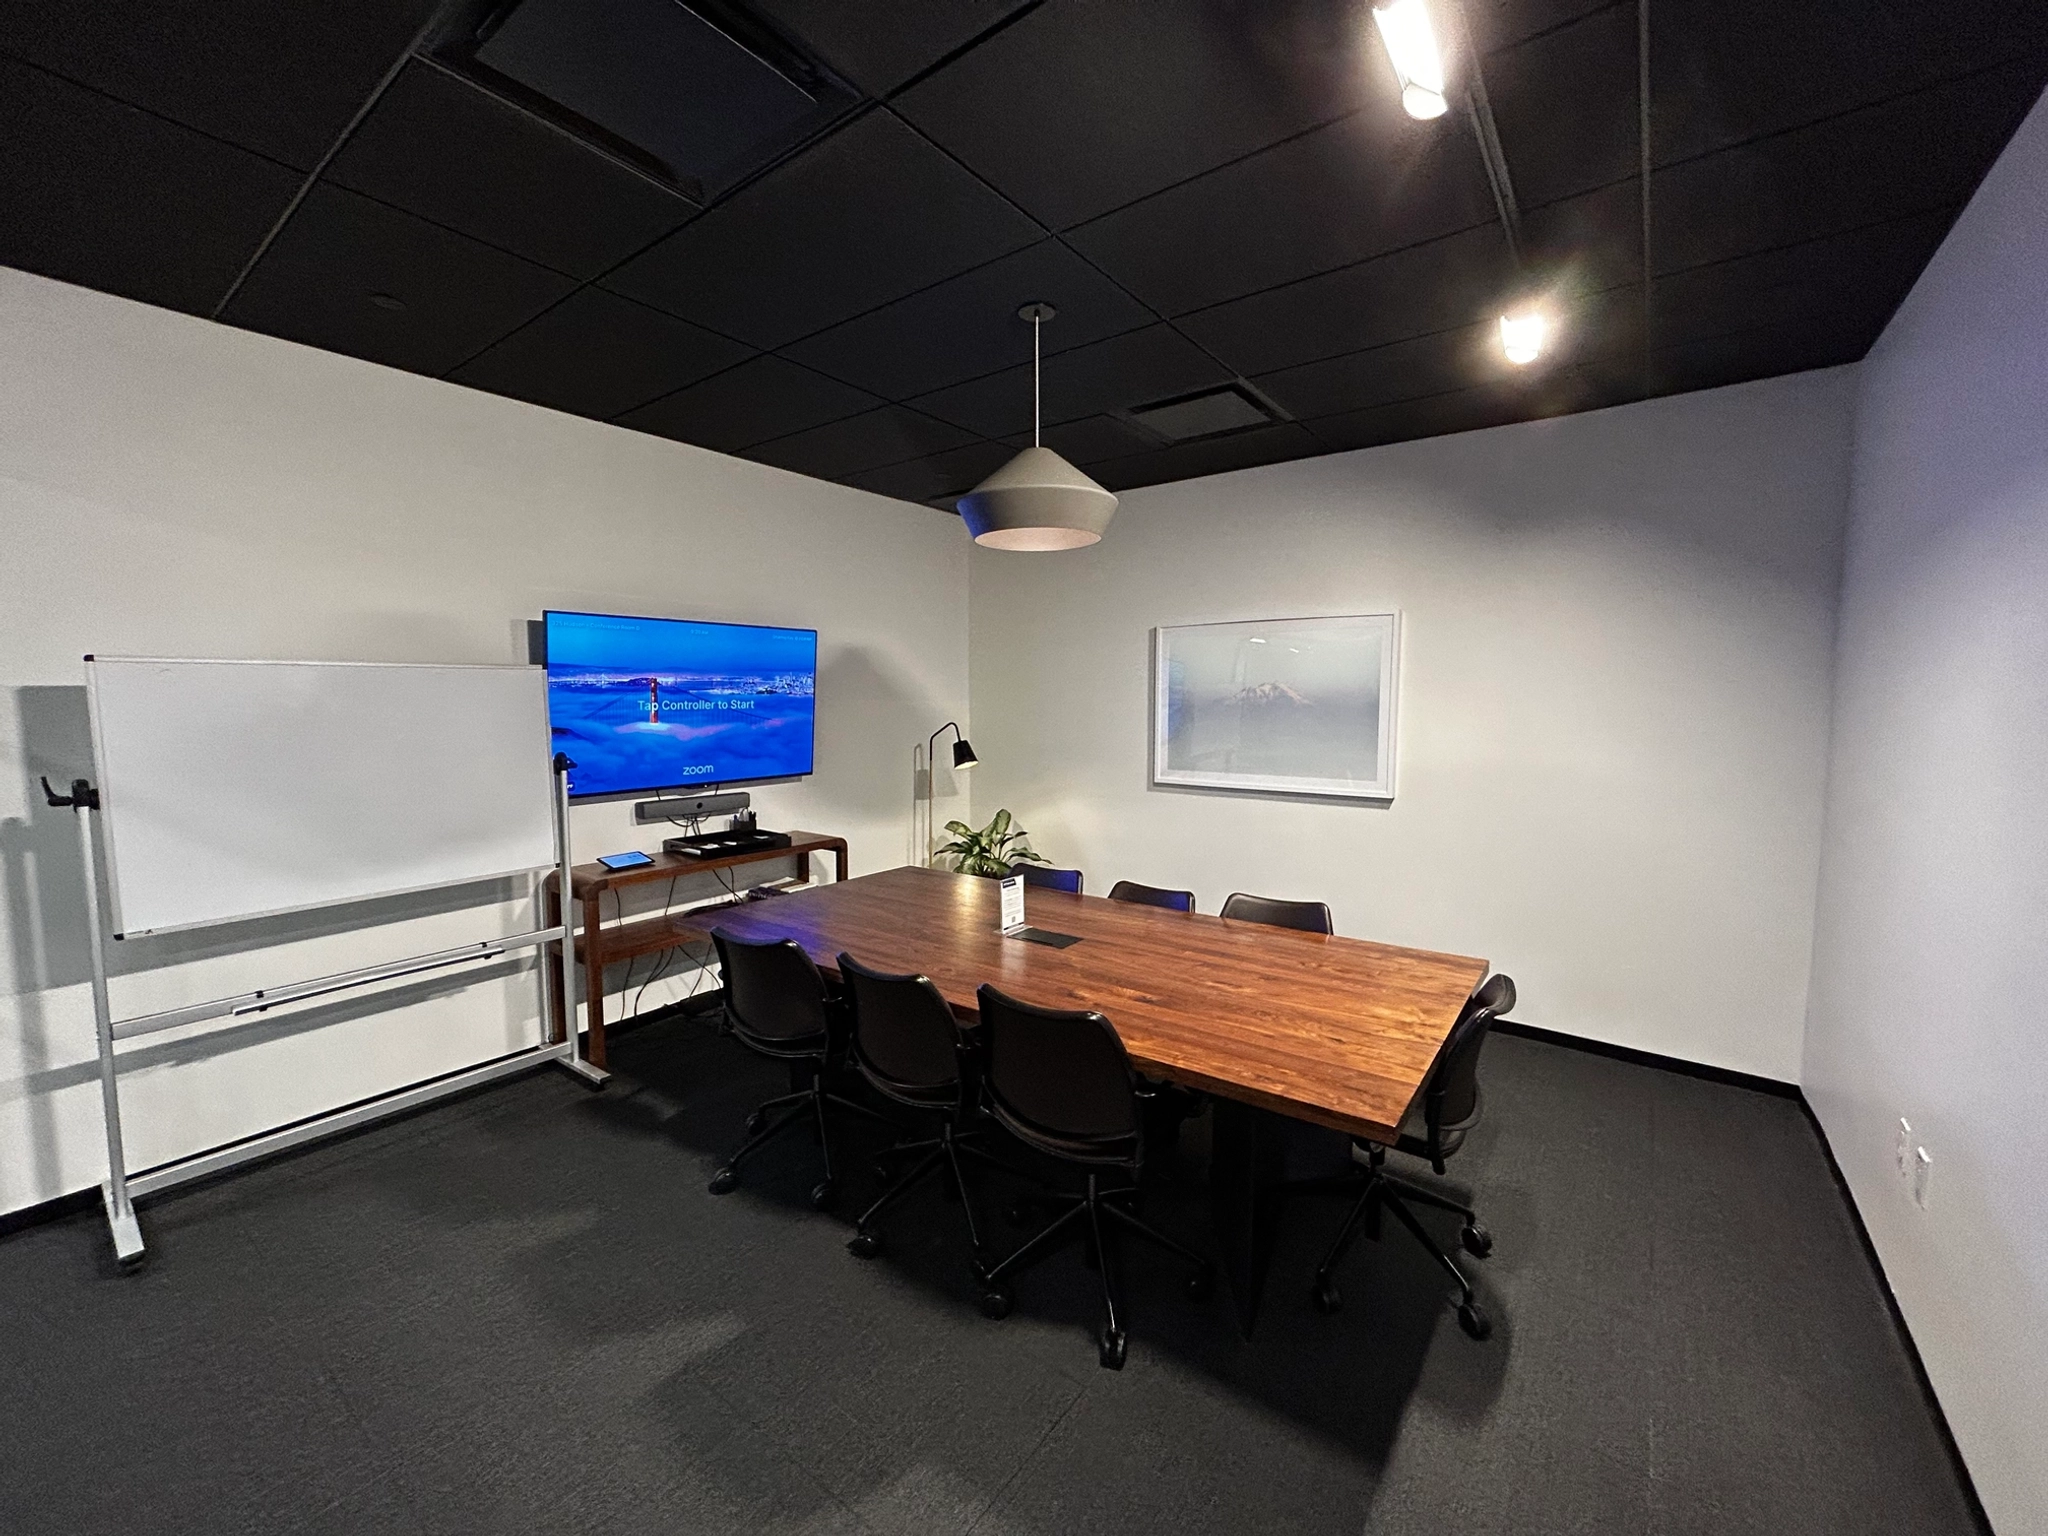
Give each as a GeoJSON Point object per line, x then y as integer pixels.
{"type": "Point", "coordinates": [1035, 409]}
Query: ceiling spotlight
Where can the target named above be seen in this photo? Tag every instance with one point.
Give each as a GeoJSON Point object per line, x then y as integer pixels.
{"type": "Point", "coordinates": [1411, 47]}
{"type": "Point", "coordinates": [1522, 337]}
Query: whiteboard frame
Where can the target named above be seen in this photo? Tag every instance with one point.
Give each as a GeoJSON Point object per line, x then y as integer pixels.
{"type": "Point", "coordinates": [120, 1189]}
{"type": "Point", "coordinates": [108, 840]}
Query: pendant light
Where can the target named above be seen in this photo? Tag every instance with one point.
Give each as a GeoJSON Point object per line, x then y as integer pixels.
{"type": "Point", "coordinates": [1037, 501]}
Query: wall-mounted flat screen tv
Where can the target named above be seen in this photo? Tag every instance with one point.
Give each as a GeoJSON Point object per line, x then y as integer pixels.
{"type": "Point", "coordinates": [642, 705]}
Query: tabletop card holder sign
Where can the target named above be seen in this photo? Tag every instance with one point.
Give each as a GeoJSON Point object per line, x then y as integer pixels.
{"type": "Point", "coordinates": [1012, 919]}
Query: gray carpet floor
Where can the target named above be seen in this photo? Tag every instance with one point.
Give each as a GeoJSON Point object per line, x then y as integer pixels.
{"type": "Point", "coordinates": [522, 1312]}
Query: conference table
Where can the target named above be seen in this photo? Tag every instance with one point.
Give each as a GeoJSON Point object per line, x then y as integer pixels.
{"type": "Point", "coordinates": [1273, 1023]}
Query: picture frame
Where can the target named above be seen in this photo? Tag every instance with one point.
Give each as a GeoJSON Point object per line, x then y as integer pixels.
{"type": "Point", "coordinates": [1297, 706]}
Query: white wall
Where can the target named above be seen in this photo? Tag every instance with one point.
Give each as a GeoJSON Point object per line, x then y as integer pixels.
{"type": "Point", "coordinates": [1614, 704]}
{"type": "Point", "coordinates": [172, 487]}
{"type": "Point", "coordinates": [1932, 943]}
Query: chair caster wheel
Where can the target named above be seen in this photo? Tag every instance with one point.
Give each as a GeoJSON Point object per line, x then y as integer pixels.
{"type": "Point", "coordinates": [1112, 1349]}
{"type": "Point", "coordinates": [1474, 1321]}
{"type": "Point", "coordinates": [1327, 1298]}
{"type": "Point", "coordinates": [1477, 1240]}
{"type": "Point", "coordinates": [756, 1123]}
{"type": "Point", "coordinates": [996, 1301]}
{"type": "Point", "coordinates": [864, 1245]}
{"type": "Point", "coordinates": [823, 1195]}
{"type": "Point", "coordinates": [1201, 1284]}
{"type": "Point", "coordinates": [725, 1181]}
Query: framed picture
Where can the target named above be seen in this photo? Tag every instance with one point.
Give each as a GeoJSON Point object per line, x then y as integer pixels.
{"type": "Point", "coordinates": [1278, 706]}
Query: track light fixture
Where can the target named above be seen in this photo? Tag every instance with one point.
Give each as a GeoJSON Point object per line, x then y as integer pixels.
{"type": "Point", "coordinates": [1412, 49]}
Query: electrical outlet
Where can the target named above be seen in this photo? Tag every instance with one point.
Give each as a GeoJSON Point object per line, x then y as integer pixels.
{"type": "Point", "coordinates": [1903, 1153]}
{"type": "Point", "coordinates": [1923, 1171]}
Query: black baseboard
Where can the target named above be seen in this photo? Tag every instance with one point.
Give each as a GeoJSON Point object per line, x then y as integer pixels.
{"type": "Point", "coordinates": [1797, 1095]}
{"type": "Point", "coordinates": [1891, 1301]}
{"type": "Point", "coordinates": [683, 1008]}
{"type": "Point", "coordinates": [48, 1210]}
{"type": "Point", "coordinates": [1678, 1064]}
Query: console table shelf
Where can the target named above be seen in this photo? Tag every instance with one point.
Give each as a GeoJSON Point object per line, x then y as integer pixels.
{"type": "Point", "coordinates": [598, 945]}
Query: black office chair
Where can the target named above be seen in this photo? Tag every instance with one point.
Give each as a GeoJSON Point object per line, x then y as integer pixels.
{"type": "Point", "coordinates": [1046, 878]}
{"type": "Point", "coordinates": [777, 1004]}
{"type": "Point", "coordinates": [1308, 916]}
{"type": "Point", "coordinates": [908, 1046]}
{"type": "Point", "coordinates": [1152, 896]}
{"type": "Point", "coordinates": [1060, 1083]}
{"type": "Point", "coordinates": [1434, 1128]}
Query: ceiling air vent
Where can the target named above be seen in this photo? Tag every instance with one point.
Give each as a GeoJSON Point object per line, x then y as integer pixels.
{"type": "Point", "coordinates": [697, 95]}
{"type": "Point", "coordinates": [1208, 414]}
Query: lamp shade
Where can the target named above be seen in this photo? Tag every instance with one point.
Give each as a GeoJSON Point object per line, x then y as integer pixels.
{"type": "Point", "coordinates": [963, 754]}
{"type": "Point", "coordinates": [1037, 501]}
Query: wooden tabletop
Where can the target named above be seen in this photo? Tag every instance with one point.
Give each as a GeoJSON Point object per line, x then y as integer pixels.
{"type": "Point", "coordinates": [1337, 1031]}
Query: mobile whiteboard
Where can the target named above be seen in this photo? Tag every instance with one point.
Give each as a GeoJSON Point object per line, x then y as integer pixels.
{"type": "Point", "coordinates": [234, 789]}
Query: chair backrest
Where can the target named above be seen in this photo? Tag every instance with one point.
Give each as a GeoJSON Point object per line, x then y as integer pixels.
{"type": "Point", "coordinates": [772, 991]}
{"type": "Point", "coordinates": [1063, 1073]}
{"type": "Point", "coordinates": [1152, 896]}
{"type": "Point", "coordinates": [1308, 916]}
{"type": "Point", "coordinates": [902, 1028]}
{"type": "Point", "coordinates": [1049, 879]}
{"type": "Point", "coordinates": [1450, 1101]}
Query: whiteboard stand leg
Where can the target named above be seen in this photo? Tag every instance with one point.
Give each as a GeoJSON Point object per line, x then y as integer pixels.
{"type": "Point", "coordinates": [127, 1232]}
{"type": "Point", "coordinates": [122, 1223]}
{"type": "Point", "coordinates": [572, 1038]}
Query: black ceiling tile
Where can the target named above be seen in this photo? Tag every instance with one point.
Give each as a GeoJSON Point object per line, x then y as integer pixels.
{"type": "Point", "coordinates": [939, 475]}
{"type": "Point", "coordinates": [1725, 71]}
{"type": "Point", "coordinates": [871, 440]}
{"type": "Point", "coordinates": [316, 282]}
{"type": "Point", "coordinates": [596, 354]}
{"type": "Point", "coordinates": [1085, 105]}
{"type": "Point", "coordinates": [1401, 370]}
{"type": "Point", "coordinates": [110, 197]}
{"type": "Point", "coordinates": [1589, 242]}
{"type": "Point", "coordinates": [1209, 456]}
{"type": "Point", "coordinates": [1464, 410]}
{"type": "Point", "coordinates": [968, 326]}
{"type": "Point", "coordinates": [1853, 280]}
{"type": "Point", "coordinates": [879, 44]}
{"type": "Point", "coordinates": [281, 77]}
{"type": "Point", "coordinates": [761, 399]}
{"type": "Point", "coordinates": [1114, 375]}
{"type": "Point", "coordinates": [1373, 183]}
{"type": "Point", "coordinates": [1433, 287]}
{"type": "Point", "coordinates": [1909, 155]}
{"type": "Point", "coordinates": [1091, 439]}
{"type": "Point", "coordinates": [868, 215]}
{"type": "Point", "coordinates": [1498, 24]}
{"type": "Point", "coordinates": [449, 151]}
{"type": "Point", "coordinates": [1763, 353]}
{"type": "Point", "coordinates": [1565, 107]}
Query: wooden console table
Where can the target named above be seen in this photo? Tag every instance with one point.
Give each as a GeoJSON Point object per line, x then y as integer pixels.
{"type": "Point", "coordinates": [598, 946]}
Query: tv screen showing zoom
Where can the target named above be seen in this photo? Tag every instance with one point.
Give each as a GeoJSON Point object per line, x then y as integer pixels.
{"type": "Point", "coordinates": [641, 705]}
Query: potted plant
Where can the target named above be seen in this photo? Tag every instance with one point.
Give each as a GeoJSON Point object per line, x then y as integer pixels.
{"type": "Point", "coordinates": [994, 850]}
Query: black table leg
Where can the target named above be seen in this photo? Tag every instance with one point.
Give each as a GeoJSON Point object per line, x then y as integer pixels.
{"type": "Point", "coordinates": [1246, 1159]}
